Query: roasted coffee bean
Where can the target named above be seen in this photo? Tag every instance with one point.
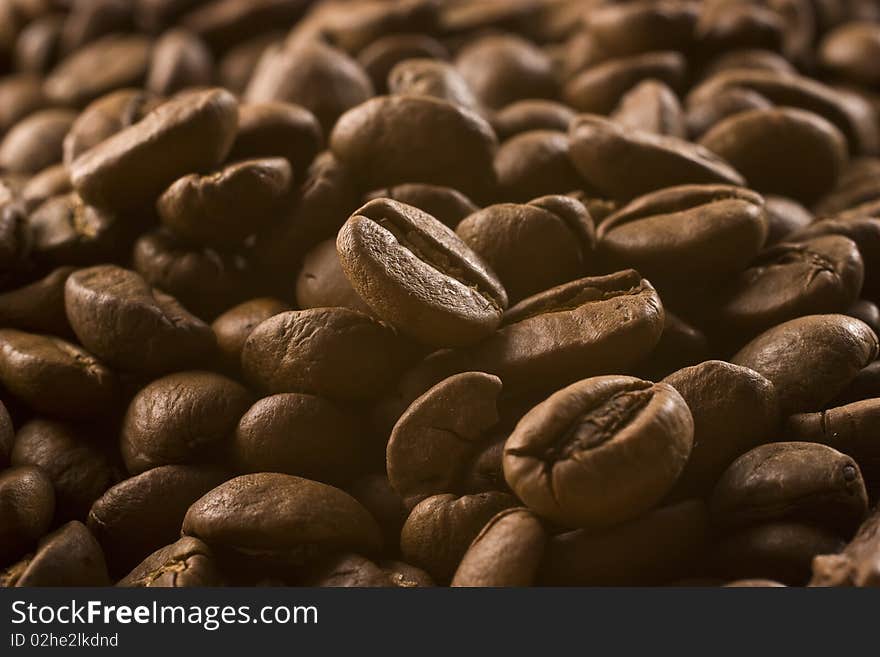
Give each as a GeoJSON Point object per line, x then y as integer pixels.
{"type": "Point", "coordinates": [850, 429]}
{"type": "Point", "coordinates": [117, 316]}
{"type": "Point", "coordinates": [20, 96]}
{"type": "Point", "coordinates": [535, 163]}
{"type": "Point", "coordinates": [506, 552]}
{"type": "Point", "coordinates": [625, 163]}
{"type": "Point", "coordinates": [322, 283]}
{"type": "Point", "coordinates": [532, 247]}
{"type": "Point", "coordinates": [352, 570]}
{"type": "Point", "coordinates": [27, 503]}
{"type": "Point", "coordinates": [631, 28]}
{"type": "Point", "coordinates": [78, 466]}
{"type": "Point", "coordinates": [35, 142]}
{"type": "Point", "coordinates": [398, 139]}
{"type": "Point", "coordinates": [179, 60]}
{"type": "Point", "coordinates": [437, 79]}
{"type": "Point", "coordinates": [204, 280]}
{"type": "Point", "coordinates": [851, 114]}
{"type": "Point", "coordinates": [186, 563]}
{"type": "Point", "coordinates": [681, 344]}
{"type": "Point", "coordinates": [729, 25]}
{"type": "Point", "coordinates": [440, 529]}
{"type": "Point", "coordinates": [528, 115]}
{"type": "Point", "coordinates": [65, 230]}
{"type": "Point", "coordinates": [503, 69]}
{"type": "Point", "coordinates": [110, 63]}
{"type": "Point", "coordinates": [281, 518]}
{"type": "Point", "coordinates": [754, 583]}
{"type": "Point", "coordinates": [810, 359]}
{"type": "Point", "coordinates": [378, 497]}
{"type": "Point", "coordinates": [233, 327]}
{"type": "Point", "coordinates": [269, 130]}
{"type": "Point", "coordinates": [705, 113]}
{"type": "Point", "coordinates": [104, 117]}
{"type": "Point", "coordinates": [332, 352]}
{"type": "Point", "coordinates": [38, 44]}
{"type": "Point", "coordinates": [51, 181]}
{"type": "Point", "coordinates": [725, 426]}
{"type": "Point", "coordinates": [759, 143]}
{"type": "Point", "coordinates": [228, 22]}
{"type": "Point", "coordinates": [181, 418]}
{"type": "Point", "coordinates": [431, 448]}
{"type": "Point", "coordinates": [856, 565]}
{"type": "Point", "coordinates": [141, 514]}
{"type": "Point", "coordinates": [55, 377]}
{"type": "Point", "coordinates": [856, 185]}
{"type": "Point", "coordinates": [91, 19]}
{"type": "Point", "coordinates": [301, 435]}
{"type": "Point", "coordinates": [599, 452]}
{"type": "Point", "coordinates": [822, 275]}
{"type": "Point", "coordinates": [235, 66]}
{"type": "Point", "coordinates": [598, 89]}
{"type": "Point", "coordinates": [707, 232]}
{"type": "Point", "coordinates": [785, 217]}
{"type": "Point", "coordinates": [651, 106]}
{"type": "Point", "coordinates": [852, 51]}
{"type": "Point", "coordinates": [678, 536]}
{"type": "Point", "coordinates": [383, 54]}
{"type": "Point", "coordinates": [356, 26]}
{"type": "Point", "coordinates": [315, 75]}
{"type": "Point", "coordinates": [791, 481]}
{"type": "Point", "coordinates": [416, 274]}
{"type": "Point", "coordinates": [224, 207]}
{"type": "Point", "coordinates": [38, 306]}
{"type": "Point", "coordinates": [783, 551]}
{"type": "Point", "coordinates": [132, 167]}
{"type": "Point", "coordinates": [69, 556]}
{"type": "Point", "coordinates": [444, 203]}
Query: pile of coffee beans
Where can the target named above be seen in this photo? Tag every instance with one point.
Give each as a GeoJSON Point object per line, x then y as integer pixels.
{"type": "Point", "coordinates": [439, 292]}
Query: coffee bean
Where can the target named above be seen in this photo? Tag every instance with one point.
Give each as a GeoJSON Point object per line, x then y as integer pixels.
{"type": "Point", "coordinates": [822, 275]}
{"type": "Point", "coordinates": [791, 481]}
{"type": "Point", "coordinates": [398, 139]}
{"type": "Point", "coordinates": [758, 144]}
{"type": "Point", "coordinates": [181, 418]}
{"type": "Point", "coordinates": [532, 247]}
{"type": "Point", "coordinates": [38, 306]}
{"type": "Point", "coordinates": [38, 43]}
{"type": "Point", "coordinates": [535, 163]}
{"type": "Point", "coordinates": [430, 448]}
{"type": "Point", "coordinates": [354, 27]}
{"type": "Point", "coordinates": [707, 231]}
{"type": "Point", "coordinates": [651, 106]}
{"type": "Point", "coordinates": [444, 203]}
{"type": "Point", "coordinates": [78, 466]}
{"type": "Point", "coordinates": [856, 565]}
{"type": "Point", "coordinates": [598, 89]}
{"type": "Point", "coordinates": [704, 113]}
{"type": "Point", "coordinates": [212, 209]}
{"type": "Point", "coordinates": [20, 95]}
{"type": "Point", "coordinates": [186, 563]}
{"type": "Point", "coordinates": [132, 167]}
{"type": "Point", "coordinates": [233, 327]}
{"type": "Point", "coordinates": [35, 142]}
{"type": "Point", "coordinates": [315, 75]}
{"type": "Point", "coordinates": [625, 163]}
{"type": "Point", "coordinates": [507, 552]}
{"type": "Point", "coordinates": [110, 63]}
{"type": "Point", "coordinates": [636, 27]}
{"type": "Point", "coordinates": [780, 550]}
{"type": "Point", "coordinates": [54, 376]}
{"type": "Point", "coordinates": [301, 435]}
{"type": "Point", "coordinates": [117, 316]}
{"type": "Point", "coordinates": [322, 283]}
{"type": "Point", "coordinates": [567, 457]}
{"type": "Point", "coordinates": [678, 536]}
{"type": "Point", "coordinates": [179, 60]}
{"type": "Point", "coordinates": [851, 52]}
{"type": "Point", "coordinates": [26, 510]}
{"type": "Point", "coordinates": [416, 274]}
{"type": "Point", "coordinates": [375, 493]}
{"type": "Point", "coordinates": [104, 117]}
{"type": "Point", "coordinates": [7, 436]}
{"type": "Point", "coordinates": [332, 352]}
{"type": "Point", "coordinates": [383, 54]}
{"type": "Point", "coordinates": [143, 513]}
{"type": "Point", "coordinates": [785, 217]}
{"type": "Point", "coordinates": [275, 129]}
{"type": "Point", "coordinates": [810, 359]}
{"type": "Point", "coordinates": [352, 570]}
{"type": "Point", "coordinates": [437, 79]}
{"type": "Point", "coordinates": [725, 426]}
{"type": "Point", "coordinates": [505, 68]}
{"type": "Point", "coordinates": [51, 181]}
{"type": "Point", "coordinates": [681, 344]}
{"type": "Point", "coordinates": [440, 529]}
{"type": "Point", "coordinates": [283, 518]}
{"type": "Point", "coordinates": [526, 115]}
{"type": "Point", "coordinates": [849, 429]}
{"type": "Point", "coordinates": [69, 556]}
